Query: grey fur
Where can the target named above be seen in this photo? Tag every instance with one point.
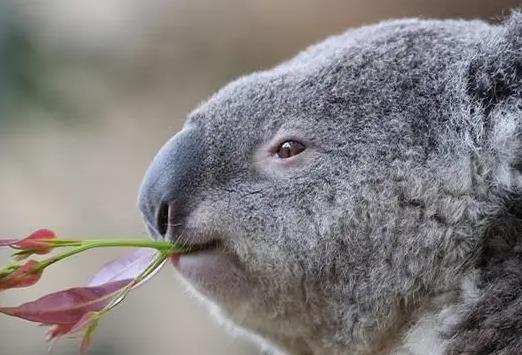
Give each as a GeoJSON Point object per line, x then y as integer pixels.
{"type": "Point", "coordinates": [410, 183]}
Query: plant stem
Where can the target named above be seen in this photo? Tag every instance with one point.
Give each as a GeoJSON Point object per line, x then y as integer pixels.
{"type": "Point", "coordinates": [140, 243]}
{"type": "Point", "coordinates": [166, 248]}
{"type": "Point", "coordinates": [8, 270]}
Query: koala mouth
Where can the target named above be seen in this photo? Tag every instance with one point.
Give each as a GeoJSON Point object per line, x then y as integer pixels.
{"type": "Point", "coordinates": [194, 248]}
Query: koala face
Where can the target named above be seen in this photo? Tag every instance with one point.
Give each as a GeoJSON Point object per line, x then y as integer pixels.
{"type": "Point", "coordinates": [328, 197]}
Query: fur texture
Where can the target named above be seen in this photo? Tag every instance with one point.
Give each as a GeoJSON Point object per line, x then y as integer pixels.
{"type": "Point", "coordinates": [409, 187]}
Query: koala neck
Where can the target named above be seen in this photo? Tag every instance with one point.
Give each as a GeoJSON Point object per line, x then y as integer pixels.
{"type": "Point", "coordinates": [481, 317]}
{"type": "Point", "coordinates": [428, 332]}
{"type": "Point", "coordinates": [422, 334]}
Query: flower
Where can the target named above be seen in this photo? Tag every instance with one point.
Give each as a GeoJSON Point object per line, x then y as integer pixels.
{"type": "Point", "coordinates": [24, 276]}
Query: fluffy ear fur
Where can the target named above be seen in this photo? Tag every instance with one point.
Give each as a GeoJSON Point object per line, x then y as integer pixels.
{"type": "Point", "coordinates": [497, 74]}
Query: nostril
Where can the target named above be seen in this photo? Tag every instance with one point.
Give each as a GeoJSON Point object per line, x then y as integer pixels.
{"type": "Point", "coordinates": [163, 219]}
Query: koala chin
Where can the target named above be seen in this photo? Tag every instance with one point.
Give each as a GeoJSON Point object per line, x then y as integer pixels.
{"type": "Point", "coordinates": [364, 197]}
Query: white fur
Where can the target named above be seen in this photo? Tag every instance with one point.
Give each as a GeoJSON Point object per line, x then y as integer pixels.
{"type": "Point", "coordinates": [443, 312]}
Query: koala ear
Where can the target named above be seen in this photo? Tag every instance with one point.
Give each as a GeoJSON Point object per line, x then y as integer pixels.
{"type": "Point", "coordinates": [495, 74]}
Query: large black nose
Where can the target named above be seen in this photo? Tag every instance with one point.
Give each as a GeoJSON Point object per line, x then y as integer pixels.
{"type": "Point", "coordinates": [170, 181]}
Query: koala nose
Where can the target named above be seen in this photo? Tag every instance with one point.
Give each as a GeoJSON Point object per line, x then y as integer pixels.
{"type": "Point", "coordinates": [171, 179]}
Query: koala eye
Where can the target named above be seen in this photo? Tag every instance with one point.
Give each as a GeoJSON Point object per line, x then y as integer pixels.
{"type": "Point", "coordinates": [289, 148]}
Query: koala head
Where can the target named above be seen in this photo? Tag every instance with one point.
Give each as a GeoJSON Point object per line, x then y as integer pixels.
{"type": "Point", "coordinates": [331, 197]}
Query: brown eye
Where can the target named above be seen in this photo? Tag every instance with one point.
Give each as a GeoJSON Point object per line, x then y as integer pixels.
{"type": "Point", "coordinates": [289, 148]}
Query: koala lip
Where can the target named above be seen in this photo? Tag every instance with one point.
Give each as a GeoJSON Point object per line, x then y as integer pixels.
{"type": "Point", "coordinates": [195, 239]}
{"type": "Point", "coordinates": [205, 244]}
{"type": "Point", "coordinates": [213, 244]}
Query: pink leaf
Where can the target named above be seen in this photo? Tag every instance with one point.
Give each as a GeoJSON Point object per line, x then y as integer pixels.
{"type": "Point", "coordinates": [86, 341]}
{"type": "Point", "coordinates": [85, 322]}
{"type": "Point", "coordinates": [78, 309]}
{"type": "Point", "coordinates": [127, 267]}
{"type": "Point", "coordinates": [39, 241]}
{"type": "Point", "coordinates": [68, 306]}
{"type": "Point", "coordinates": [89, 322]}
{"type": "Point", "coordinates": [56, 331]}
{"type": "Point", "coordinates": [27, 275]}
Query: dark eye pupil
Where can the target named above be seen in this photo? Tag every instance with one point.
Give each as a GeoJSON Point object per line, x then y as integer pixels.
{"type": "Point", "coordinates": [289, 149]}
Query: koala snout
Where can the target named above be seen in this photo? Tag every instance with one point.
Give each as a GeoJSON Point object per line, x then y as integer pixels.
{"type": "Point", "coordinates": [170, 180]}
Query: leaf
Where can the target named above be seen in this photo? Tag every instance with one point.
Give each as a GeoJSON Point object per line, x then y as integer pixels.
{"type": "Point", "coordinates": [68, 306]}
{"type": "Point", "coordinates": [85, 322]}
{"type": "Point", "coordinates": [21, 255]}
{"type": "Point", "coordinates": [56, 331]}
{"type": "Point", "coordinates": [127, 267]}
{"type": "Point", "coordinates": [89, 322]}
{"type": "Point", "coordinates": [79, 309]}
{"type": "Point", "coordinates": [26, 275]}
{"type": "Point", "coordinates": [39, 242]}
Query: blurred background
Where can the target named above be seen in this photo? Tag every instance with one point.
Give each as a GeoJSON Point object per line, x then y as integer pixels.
{"type": "Point", "coordinates": [89, 91]}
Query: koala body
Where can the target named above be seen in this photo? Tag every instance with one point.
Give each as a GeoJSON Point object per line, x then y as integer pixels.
{"type": "Point", "coordinates": [395, 228]}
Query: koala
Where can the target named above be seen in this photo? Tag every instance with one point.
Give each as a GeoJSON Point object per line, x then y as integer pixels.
{"type": "Point", "coordinates": [364, 197]}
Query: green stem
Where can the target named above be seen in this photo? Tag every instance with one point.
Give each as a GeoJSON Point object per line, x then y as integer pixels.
{"type": "Point", "coordinates": [166, 248]}
{"type": "Point", "coordinates": [140, 243]}
{"type": "Point", "coordinates": [8, 270]}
